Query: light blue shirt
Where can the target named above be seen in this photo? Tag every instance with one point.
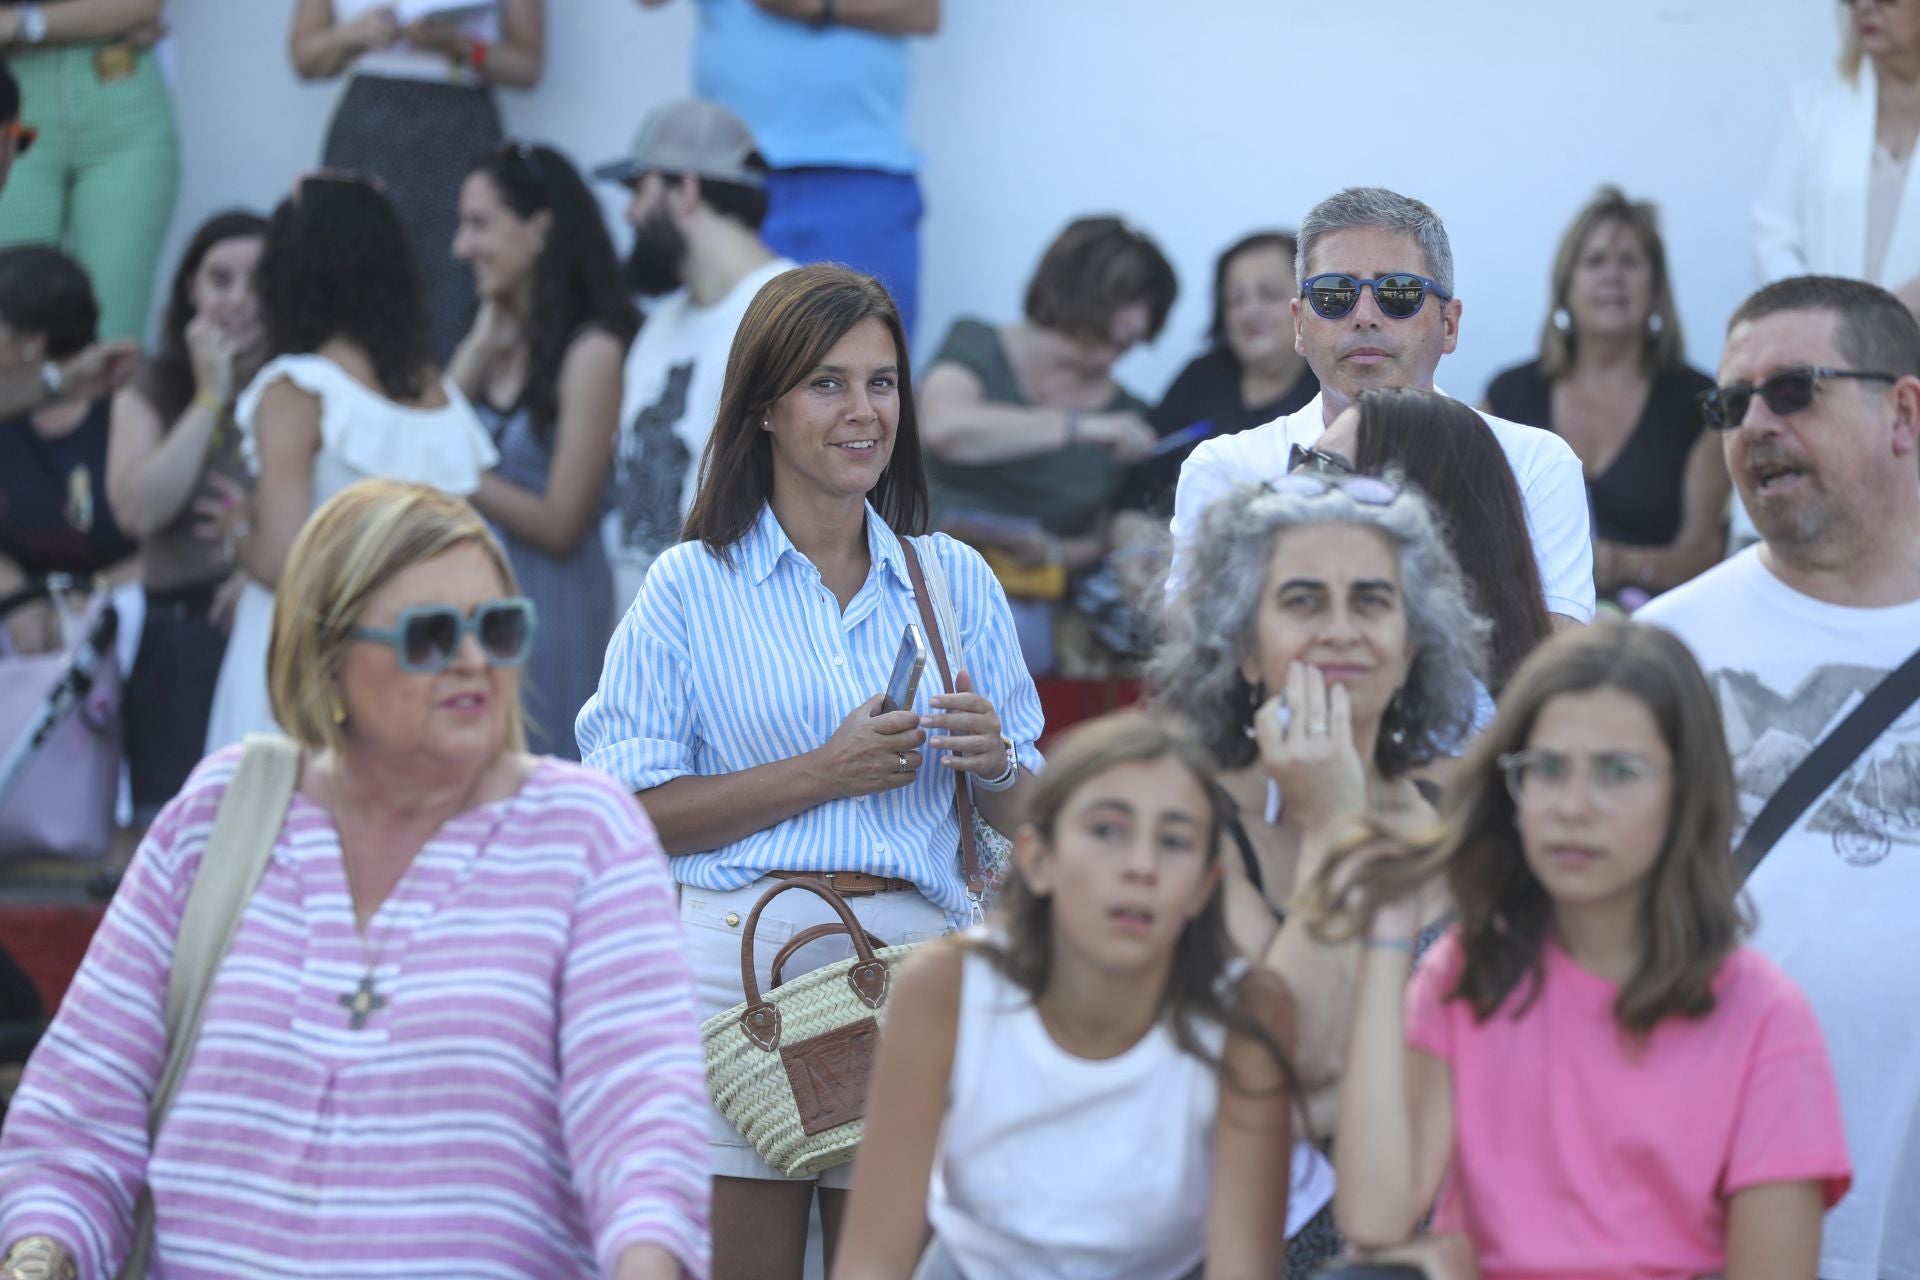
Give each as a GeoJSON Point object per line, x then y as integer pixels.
{"type": "Point", "coordinates": [834, 98]}
{"type": "Point", "coordinates": [717, 668]}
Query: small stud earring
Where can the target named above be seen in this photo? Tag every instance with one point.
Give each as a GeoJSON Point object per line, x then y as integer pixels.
{"type": "Point", "coordinates": [1562, 320]}
{"type": "Point", "coordinates": [339, 711]}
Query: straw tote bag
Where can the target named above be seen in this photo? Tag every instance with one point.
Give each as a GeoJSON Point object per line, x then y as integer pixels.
{"type": "Point", "coordinates": [789, 1068]}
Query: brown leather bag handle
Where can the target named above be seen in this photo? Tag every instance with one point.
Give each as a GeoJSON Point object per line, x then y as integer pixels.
{"type": "Point", "coordinates": [811, 934]}
{"type": "Point", "coordinates": [962, 793]}
{"type": "Point", "coordinates": [869, 978]}
{"type": "Point", "coordinates": [820, 888]}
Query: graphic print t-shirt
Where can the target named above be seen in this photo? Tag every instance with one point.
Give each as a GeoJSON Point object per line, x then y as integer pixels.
{"type": "Point", "coordinates": [1838, 898]}
{"type": "Point", "coordinates": [675, 370]}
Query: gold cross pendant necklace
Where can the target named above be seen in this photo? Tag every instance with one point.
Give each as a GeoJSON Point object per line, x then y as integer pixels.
{"type": "Point", "coordinates": [364, 1001]}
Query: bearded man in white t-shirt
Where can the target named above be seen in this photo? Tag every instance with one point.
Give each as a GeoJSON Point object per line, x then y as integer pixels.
{"type": "Point", "coordinates": [1819, 405]}
{"type": "Point", "coordinates": [1377, 309]}
{"type": "Point", "coordinates": [699, 197]}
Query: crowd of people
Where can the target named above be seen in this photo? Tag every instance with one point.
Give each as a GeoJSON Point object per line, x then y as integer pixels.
{"type": "Point", "coordinates": [1507, 875]}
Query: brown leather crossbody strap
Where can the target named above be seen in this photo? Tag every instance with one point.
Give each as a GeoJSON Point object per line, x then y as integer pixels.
{"type": "Point", "coordinates": [962, 794]}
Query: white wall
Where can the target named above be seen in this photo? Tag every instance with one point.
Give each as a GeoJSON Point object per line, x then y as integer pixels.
{"type": "Point", "coordinates": [1197, 119]}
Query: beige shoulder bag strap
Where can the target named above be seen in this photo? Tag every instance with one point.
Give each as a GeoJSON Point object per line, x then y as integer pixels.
{"type": "Point", "coordinates": [244, 831]}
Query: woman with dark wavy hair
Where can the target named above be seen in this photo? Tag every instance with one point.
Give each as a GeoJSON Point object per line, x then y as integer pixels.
{"type": "Point", "coordinates": [170, 430]}
{"type": "Point", "coordinates": [542, 366]}
{"type": "Point", "coordinates": [350, 393]}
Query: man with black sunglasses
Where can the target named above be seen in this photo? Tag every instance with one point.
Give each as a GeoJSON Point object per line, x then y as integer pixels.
{"type": "Point", "coordinates": [1377, 309]}
{"type": "Point", "coordinates": [1819, 413]}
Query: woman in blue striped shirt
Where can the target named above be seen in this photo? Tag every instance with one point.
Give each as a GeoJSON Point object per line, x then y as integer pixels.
{"type": "Point", "coordinates": [741, 693]}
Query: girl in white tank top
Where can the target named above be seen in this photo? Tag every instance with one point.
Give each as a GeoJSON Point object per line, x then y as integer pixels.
{"type": "Point", "coordinates": [1088, 1087]}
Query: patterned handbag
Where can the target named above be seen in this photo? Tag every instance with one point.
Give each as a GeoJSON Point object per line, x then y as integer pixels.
{"type": "Point", "coordinates": [789, 1068]}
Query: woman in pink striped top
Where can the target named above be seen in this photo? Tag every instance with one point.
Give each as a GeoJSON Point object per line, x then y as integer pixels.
{"type": "Point", "coordinates": [455, 1034]}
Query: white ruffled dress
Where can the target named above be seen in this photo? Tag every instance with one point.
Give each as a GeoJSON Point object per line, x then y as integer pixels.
{"type": "Point", "coordinates": [362, 434]}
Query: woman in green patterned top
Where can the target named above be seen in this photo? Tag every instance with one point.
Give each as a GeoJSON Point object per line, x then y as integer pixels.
{"type": "Point", "coordinates": [1029, 438]}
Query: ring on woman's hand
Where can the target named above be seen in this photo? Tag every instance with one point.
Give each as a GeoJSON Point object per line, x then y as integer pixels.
{"type": "Point", "coordinates": [905, 764]}
{"type": "Point", "coordinates": [1316, 726]}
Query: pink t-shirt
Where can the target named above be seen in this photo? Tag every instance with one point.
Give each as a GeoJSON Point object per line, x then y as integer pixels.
{"type": "Point", "coordinates": [1577, 1154]}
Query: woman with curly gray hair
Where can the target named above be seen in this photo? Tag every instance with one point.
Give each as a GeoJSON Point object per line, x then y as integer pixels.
{"type": "Point", "coordinates": [1325, 643]}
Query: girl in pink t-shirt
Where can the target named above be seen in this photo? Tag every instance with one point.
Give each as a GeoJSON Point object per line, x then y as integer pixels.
{"type": "Point", "coordinates": [1592, 1073]}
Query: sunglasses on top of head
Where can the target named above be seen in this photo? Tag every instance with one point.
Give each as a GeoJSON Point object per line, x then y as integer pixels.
{"type": "Point", "coordinates": [1788, 391]}
{"type": "Point", "coordinates": [1400, 295]}
{"type": "Point", "coordinates": [425, 638]}
{"type": "Point", "coordinates": [1369, 491]}
{"type": "Point", "coordinates": [1312, 461]}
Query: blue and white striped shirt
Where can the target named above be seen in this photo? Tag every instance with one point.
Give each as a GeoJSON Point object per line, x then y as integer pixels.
{"type": "Point", "coordinates": [717, 668]}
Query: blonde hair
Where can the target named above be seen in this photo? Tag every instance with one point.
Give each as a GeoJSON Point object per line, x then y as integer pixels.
{"type": "Point", "coordinates": [1661, 349]}
{"type": "Point", "coordinates": [356, 543]}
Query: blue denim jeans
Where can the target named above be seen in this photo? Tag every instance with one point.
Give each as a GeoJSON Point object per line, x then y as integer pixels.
{"type": "Point", "coordinates": [864, 218]}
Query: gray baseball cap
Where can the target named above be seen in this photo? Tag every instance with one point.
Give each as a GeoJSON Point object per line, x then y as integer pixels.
{"type": "Point", "coordinates": [694, 136]}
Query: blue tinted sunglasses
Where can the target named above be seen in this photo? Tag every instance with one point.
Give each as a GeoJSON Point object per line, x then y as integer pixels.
{"type": "Point", "coordinates": [426, 637]}
{"type": "Point", "coordinates": [1333, 294]}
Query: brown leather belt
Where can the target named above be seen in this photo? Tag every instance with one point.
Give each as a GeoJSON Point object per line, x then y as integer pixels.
{"type": "Point", "coordinates": [851, 884]}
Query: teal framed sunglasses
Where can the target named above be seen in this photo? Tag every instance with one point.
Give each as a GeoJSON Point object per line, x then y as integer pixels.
{"type": "Point", "coordinates": [425, 638]}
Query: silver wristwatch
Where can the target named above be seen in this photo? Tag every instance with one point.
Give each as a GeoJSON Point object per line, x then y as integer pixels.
{"type": "Point", "coordinates": [33, 23]}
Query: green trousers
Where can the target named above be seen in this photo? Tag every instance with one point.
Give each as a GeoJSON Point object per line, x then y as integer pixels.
{"type": "Point", "coordinates": [101, 180]}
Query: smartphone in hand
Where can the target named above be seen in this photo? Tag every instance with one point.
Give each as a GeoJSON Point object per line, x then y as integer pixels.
{"type": "Point", "coordinates": [907, 666]}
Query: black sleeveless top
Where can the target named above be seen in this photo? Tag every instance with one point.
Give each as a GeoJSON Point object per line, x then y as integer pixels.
{"type": "Point", "coordinates": [1637, 500]}
{"type": "Point", "coordinates": [1237, 832]}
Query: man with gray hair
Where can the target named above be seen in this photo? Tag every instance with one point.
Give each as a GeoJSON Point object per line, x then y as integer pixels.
{"type": "Point", "coordinates": [1819, 413]}
{"type": "Point", "coordinates": [1377, 309]}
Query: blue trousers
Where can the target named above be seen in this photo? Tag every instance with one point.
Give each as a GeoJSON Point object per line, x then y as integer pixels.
{"type": "Point", "coordinates": [864, 218]}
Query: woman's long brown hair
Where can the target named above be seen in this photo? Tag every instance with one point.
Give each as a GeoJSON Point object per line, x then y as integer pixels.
{"type": "Point", "coordinates": [1444, 449]}
{"type": "Point", "coordinates": [789, 327]}
{"type": "Point", "coordinates": [1022, 947]}
{"type": "Point", "coordinates": [1690, 920]}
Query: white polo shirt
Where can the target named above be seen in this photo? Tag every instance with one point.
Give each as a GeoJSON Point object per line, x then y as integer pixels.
{"type": "Point", "coordinates": [1553, 488]}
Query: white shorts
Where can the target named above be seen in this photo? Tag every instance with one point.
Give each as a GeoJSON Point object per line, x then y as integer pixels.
{"type": "Point", "coordinates": [713, 920]}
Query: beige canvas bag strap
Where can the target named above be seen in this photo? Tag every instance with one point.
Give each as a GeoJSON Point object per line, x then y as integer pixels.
{"type": "Point", "coordinates": [244, 831]}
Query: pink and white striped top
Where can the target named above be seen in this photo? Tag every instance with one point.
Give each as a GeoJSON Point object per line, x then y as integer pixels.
{"type": "Point", "coordinates": [529, 1101]}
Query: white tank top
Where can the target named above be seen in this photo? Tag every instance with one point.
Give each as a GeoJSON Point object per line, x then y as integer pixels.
{"type": "Point", "coordinates": [1052, 1167]}
{"type": "Point", "coordinates": [476, 18]}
